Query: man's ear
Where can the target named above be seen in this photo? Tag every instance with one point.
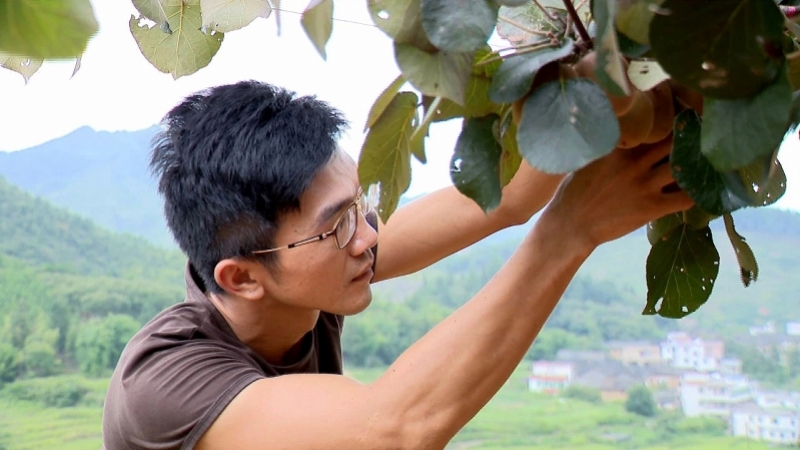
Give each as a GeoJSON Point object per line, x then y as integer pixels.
{"type": "Point", "coordinates": [241, 278]}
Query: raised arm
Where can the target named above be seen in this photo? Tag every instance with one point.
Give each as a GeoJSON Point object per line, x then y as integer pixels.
{"type": "Point", "coordinates": [446, 221]}
{"type": "Point", "coordinates": [445, 378]}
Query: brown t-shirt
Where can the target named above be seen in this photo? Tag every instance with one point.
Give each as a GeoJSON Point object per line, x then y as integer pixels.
{"type": "Point", "coordinates": [183, 367]}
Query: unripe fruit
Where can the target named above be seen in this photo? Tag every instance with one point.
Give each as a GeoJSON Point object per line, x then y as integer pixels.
{"type": "Point", "coordinates": [663, 110]}
{"type": "Point", "coordinates": [585, 68]}
{"type": "Point", "coordinates": [549, 72]}
{"type": "Point", "coordinates": [635, 124]}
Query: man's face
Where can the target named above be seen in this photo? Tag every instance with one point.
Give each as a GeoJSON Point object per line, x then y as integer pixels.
{"type": "Point", "coordinates": [320, 276]}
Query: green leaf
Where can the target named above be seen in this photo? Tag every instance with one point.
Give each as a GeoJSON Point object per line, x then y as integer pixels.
{"type": "Point", "coordinates": [46, 29]}
{"type": "Point", "coordinates": [421, 132]}
{"type": "Point", "coordinates": [723, 49]}
{"type": "Point", "coordinates": [445, 109]}
{"type": "Point", "coordinates": [645, 75]}
{"type": "Point", "coordinates": [609, 71]}
{"type": "Point", "coordinates": [698, 219]}
{"type": "Point", "coordinates": [692, 171]}
{"type": "Point", "coordinates": [459, 26]}
{"type": "Point", "coordinates": [516, 23]}
{"type": "Point", "coordinates": [565, 125]}
{"type": "Point", "coordinates": [633, 18]}
{"type": "Point", "coordinates": [21, 64]}
{"type": "Point", "coordinates": [439, 74]}
{"type": "Point", "coordinates": [512, 3]}
{"type": "Point", "coordinates": [793, 64]}
{"type": "Point", "coordinates": [383, 101]}
{"type": "Point", "coordinates": [659, 228]}
{"type": "Point", "coordinates": [761, 183]}
{"type": "Point", "coordinates": [748, 267]}
{"type": "Point", "coordinates": [385, 157]}
{"type": "Point", "coordinates": [186, 49]}
{"type": "Point", "coordinates": [401, 20]}
{"type": "Point", "coordinates": [153, 9]}
{"type": "Point", "coordinates": [681, 270]}
{"type": "Point", "coordinates": [511, 159]}
{"type": "Point", "coordinates": [475, 165]}
{"type": "Point", "coordinates": [738, 132]}
{"type": "Point", "coordinates": [514, 77]}
{"type": "Point", "coordinates": [317, 22]}
{"type": "Point", "coordinates": [229, 15]}
{"type": "Point", "coordinates": [631, 48]}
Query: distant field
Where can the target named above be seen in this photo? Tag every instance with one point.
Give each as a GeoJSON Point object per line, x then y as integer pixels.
{"type": "Point", "coordinates": [514, 419]}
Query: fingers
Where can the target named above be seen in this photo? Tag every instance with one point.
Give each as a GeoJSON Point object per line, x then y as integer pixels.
{"type": "Point", "coordinates": [660, 176]}
{"type": "Point", "coordinates": [652, 154]}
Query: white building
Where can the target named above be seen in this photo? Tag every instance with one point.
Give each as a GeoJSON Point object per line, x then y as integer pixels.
{"type": "Point", "coordinates": [793, 328]}
{"type": "Point", "coordinates": [550, 376]}
{"type": "Point", "coordinates": [684, 352]}
{"type": "Point", "coordinates": [713, 394]}
{"type": "Point", "coordinates": [779, 426]}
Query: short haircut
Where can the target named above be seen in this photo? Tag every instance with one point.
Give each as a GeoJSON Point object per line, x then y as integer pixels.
{"type": "Point", "coordinates": [230, 159]}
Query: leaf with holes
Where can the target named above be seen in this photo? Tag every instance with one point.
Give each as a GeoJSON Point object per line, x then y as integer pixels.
{"type": "Point", "coordinates": [401, 20]}
{"type": "Point", "coordinates": [738, 132]}
{"type": "Point", "coordinates": [645, 75]}
{"type": "Point", "coordinates": [681, 270]}
{"type": "Point", "coordinates": [692, 171]}
{"type": "Point", "coordinates": [565, 125]}
{"type": "Point", "coordinates": [317, 22]}
{"type": "Point", "coordinates": [748, 266]}
{"type": "Point", "coordinates": [475, 165]}
{"type": "Point", "coordinates": [385, 157]}
{"type": "Point", "coordinates": [656, 229]}
{"type": "Point", "coordinates": [153, 9]}
{"type": "Point", "coordinates": [184, 50]}
{"type": "Point", "coordinates": [521, 25]}
{"type": "Point", "coordinates": [761, 183]}
{"type": "Point", "coordinates": [609, 71]}
{"type": "Point", "coordinates": [228, 15]}
{"type": "Point", "coordinates": [21, 64]}
{"type": "Point", "coordinates": [515, 75]}
{"type": "Point", "coordinates": [634, 17]}
{"type": "Point", "coordinates": [46, 29]}
{"type": "Point", "coordinates": [439, 74]}
{"type": "Point", "coordinates": [459, 26]}
{"type": "Point", "coordinates": [383, 101]}
{"type": "Point", "coordinates": [725, 49]}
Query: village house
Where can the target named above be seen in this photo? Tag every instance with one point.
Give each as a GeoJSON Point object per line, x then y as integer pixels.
{"type": "Point", "coordinates": [550, 376]}
{"type": "Point", "coordinates": [684, 352]}
{"type": "Point", "coordinates": [774, 425]}
{"type": "Point", "coordinates": [713, 394]}
{"type": "Point", "coordinates": [640, 353]}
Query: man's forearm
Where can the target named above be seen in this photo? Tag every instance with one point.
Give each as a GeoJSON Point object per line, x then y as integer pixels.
{"type": "Point", "coordinates": [444, 379]}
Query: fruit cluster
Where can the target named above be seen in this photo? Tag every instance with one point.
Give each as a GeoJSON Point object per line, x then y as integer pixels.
{"type": "Point", "coordinates": [644, 117]}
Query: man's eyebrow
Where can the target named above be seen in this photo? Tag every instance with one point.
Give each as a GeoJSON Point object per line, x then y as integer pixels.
{"type": "Point", "coordinates": [332, 210]}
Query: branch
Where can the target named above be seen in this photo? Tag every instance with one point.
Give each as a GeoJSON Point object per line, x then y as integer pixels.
{"type": "Point", "coordinates": [548, 14]}
{"type": "Point", "coordinates": [523, 27]}
{"type": "Point", "coordinates": [535, 47]}
{"type": "Point", "coordinates": [577, 19]}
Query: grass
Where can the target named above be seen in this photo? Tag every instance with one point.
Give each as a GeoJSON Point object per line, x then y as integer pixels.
{"type": "Point", "coordinates": [514, 419]}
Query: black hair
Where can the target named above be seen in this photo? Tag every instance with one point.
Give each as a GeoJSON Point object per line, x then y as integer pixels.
{"type": "Point", "coordinates": [230, 159]}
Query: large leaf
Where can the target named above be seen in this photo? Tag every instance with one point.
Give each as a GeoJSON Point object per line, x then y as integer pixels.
{"type": "Point", "coordinates": [46, 29]}
{"type": "Point", "coordinates": [401, 20]}
{"type": "Point", "coordinates": [738, 132]}
{"type": "Point", "coordinates": [761, 183]}
{"type": "Point", "coordinates": [21, 64]}
{"type": "Point", "coordinates": [565, 125]}
{"type": "Point", "coordinates": [681, 270]}
{"type": "Point", "coordinates": [383, 101]}
{"type": "Point", "coordinates": [748, 266]}
{"type": "Point", "coordinates": [459, 26]}
{"type": "Point", "coordinates": [317, 22]}
{"type": "Point", "coordinates": [514, 77]}
{"type": "Point", "coordinates": [633, 18]}
{"type": "Point", "coordinates": [475, 165]}
{"type": "Point", "coordinates": [692, 171]}
{"type": "Point", "coordinates": [153, 10]}
{"type": "Point", "coordinates": [609, 71]}
{"type": "Point", "coordinates": [660, 227]}
{"type": "Point", "coordinates": [184, 49]}
{"type": "Point", "coordinates": [510, 160]}
{"type": "Point", "coordinates": [229, 15]}
{"type": "Point", "coordinates": [720, 48]}
{"type": "Point", "coordinates": [385, 157]}
{"type": "Point", "coordinates": [438, 74]}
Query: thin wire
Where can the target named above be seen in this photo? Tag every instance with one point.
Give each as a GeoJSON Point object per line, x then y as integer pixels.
{"type": "Point", "coordinates": [335, 19]}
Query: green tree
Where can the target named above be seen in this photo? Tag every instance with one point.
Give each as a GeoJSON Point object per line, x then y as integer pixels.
{"type": "Point", "coordinates": [100, 342]}
{"type": "Point", "coordinates": [9, 363]}
{"type": "Point", "coordinates": [584, 393]}
{"type": "Point", "coordinates": [640, 401]}
{"type": "Point", "coordinates": [39, 359]}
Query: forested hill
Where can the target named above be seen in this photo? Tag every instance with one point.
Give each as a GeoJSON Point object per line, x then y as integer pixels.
{"type": "Point", "coordinates": [97, 174]}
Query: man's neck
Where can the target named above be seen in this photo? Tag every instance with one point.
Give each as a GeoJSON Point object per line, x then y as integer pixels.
{"type": "Point", "coordinates": [274, 332]}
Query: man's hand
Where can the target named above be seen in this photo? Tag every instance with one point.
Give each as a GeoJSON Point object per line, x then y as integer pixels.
{"type": "Point", "coordinates": [617, 194]}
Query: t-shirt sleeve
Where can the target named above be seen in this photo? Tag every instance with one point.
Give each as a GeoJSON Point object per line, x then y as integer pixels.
{"type": "Point", "coordinates": [169, 399]}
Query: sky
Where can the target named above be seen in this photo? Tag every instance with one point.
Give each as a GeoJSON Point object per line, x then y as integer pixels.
{"type": "Point", "coordinates": [117, 89]}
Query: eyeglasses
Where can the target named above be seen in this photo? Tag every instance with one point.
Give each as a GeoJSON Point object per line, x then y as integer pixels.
{"type": "Point", "coordinates": [345, 227]}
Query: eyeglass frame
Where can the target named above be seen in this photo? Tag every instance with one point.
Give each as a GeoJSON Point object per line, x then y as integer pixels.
{"type": "Point", "coordinates": [371, 196]}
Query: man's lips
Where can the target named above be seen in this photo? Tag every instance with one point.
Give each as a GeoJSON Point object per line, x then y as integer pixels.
{"type": "Point", "coordinates": [366, 272]}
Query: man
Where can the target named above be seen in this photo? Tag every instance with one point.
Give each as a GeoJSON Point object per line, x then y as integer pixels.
{"type": "Point", "coordinates": [277, 232]}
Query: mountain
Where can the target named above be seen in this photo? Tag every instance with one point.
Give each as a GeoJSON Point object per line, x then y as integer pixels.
{"type": "Point", "coordinates": [98, 174]}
